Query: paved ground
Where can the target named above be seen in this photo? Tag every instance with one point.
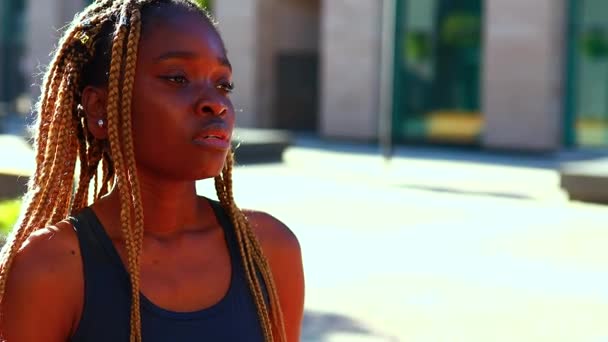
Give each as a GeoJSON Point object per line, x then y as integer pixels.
{"type": "Point", "coordinates": [437, 246]}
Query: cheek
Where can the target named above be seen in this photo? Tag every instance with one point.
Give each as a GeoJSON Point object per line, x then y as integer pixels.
{"type": "Point", "coordinates": [156, 113]}
{"type": "Point", "coordinates": [154, 123]}
{"type": "Point", "coordinates": [162, 136]}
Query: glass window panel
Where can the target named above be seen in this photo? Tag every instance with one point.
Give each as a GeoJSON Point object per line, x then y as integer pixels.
{"type": "Point", "coordinates": [591, 74]}
{"type": "Point", "coordinates": [437, 66]}
{"type": "Point", "coordinates": [12, 48]}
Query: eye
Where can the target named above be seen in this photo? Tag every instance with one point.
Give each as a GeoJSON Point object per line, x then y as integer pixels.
{"type": "Point", "coordinates": [178, 79]}
{"type": "Point", "coordinates": [228, 87]}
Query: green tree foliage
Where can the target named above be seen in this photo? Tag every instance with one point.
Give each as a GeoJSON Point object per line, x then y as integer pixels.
{"type": "Point", "coordinates": [9, 212]}
{"type": "Point", "coordinates": [204, 3]}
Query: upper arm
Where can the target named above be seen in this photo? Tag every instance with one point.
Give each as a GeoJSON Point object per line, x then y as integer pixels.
{"type": "Point", "coordinates": [282, 249]}
{"type": "Point", "coordinates": [42, 290]}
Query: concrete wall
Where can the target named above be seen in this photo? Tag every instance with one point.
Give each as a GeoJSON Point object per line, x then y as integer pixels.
{"type": "Point", "coordinates": [238, 24]}
{"type": "Point", "coordinates": [285, 26]}
{"type": "Point", "coordinates": [523, 77]}
{"type": "Point", "coordinates": [255, 31]}
{"type": "Point", "coordinates": [267, 44]}
{"type": "Point", "coordinates": [43, 22]}
{"type": "Point", "coordinates": [297, 24]}
{"type": "Point", "coordinates": [67, 9]}
{"type": "Point", "coordinates": [350, 68]}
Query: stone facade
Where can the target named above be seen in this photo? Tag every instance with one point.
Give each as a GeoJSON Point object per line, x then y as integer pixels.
{"type": "Point", "coordinates": [351, 34]}
{"type": "Point", "coordinates": [238, 25]}
{"type": "Point", "coordinates": [523, 78]}
{"type": "Point", "coordinates": [523, 71]}
{"type": "Point", "coordinates": [256, 32]}
{"type": "Point", "coordinates": [44, 22]}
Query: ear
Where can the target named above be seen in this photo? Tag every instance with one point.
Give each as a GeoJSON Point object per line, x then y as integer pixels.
{"type": "Point", "coordinates": [94, 103]}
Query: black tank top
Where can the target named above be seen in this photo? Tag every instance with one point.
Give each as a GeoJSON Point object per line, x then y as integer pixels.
{"type": "Point", "coordinates": [107, 298]}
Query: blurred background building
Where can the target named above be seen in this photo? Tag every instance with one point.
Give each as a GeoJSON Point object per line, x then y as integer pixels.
{"type": "Point", "coordinates": [510, 74]}
{"type": "Point", "coordinates": [441, 244]}
{"type": "Point", "coordinates": [504, 74]}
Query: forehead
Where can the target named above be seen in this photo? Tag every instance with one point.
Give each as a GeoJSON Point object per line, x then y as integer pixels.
{"type": "Point", "coordinates": [180, 30]}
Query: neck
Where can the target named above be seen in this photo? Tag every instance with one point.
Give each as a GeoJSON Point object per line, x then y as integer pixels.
{"type": "Point", "coordinates": [169, 207]}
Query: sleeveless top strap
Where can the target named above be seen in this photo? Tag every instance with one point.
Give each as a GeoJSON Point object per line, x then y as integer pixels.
{"type": "Point", "coordinates": [107, 297]}
{"type": "Point", "coordinates": [104, 292]}
{"type": "Point", "coordinates": [235, 253]}
{"type": "Point", "coordinates": [229, 232]}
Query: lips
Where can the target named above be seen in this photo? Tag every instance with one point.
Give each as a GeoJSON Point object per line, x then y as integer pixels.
{"type": "Point", "coordinates": [213, 137]}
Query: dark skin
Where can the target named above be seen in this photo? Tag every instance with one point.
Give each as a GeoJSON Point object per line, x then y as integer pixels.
{"type": "Point", "coordinates": [176, 96]}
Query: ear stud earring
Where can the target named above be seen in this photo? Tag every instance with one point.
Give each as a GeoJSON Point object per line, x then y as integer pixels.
{"type": "Point", "coordinates": [100, 123]}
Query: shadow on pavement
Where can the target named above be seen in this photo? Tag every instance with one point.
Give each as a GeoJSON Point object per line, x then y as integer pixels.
{"type": "Point", "coordinates": [318, 326]}
{"type": "Point", "coordinates": [463, 192]}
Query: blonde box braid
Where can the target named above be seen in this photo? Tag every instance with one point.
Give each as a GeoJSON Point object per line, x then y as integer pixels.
{"type": "Point", "coordinates": [251, 253]}
{"type": "Point", "coordinates": [62, 137]}
{"type": "Point", "coordinates": [50, 122]}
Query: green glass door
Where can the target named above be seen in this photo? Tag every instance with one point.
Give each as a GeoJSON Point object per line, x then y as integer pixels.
{"type": "Point", "coordinates": [12, 48]}
{"type": "Point", "coordinates": [588, 76]}
{"type": "Point", "coordinates": [437, 71]}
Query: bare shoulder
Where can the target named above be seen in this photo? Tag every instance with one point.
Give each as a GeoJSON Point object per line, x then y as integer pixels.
{"type": "Point", "coordinates": [44, 286]}
{"type": "Point", "coordinates": [282, 249]}
{"type": "Point", "coordinates": [46, 249]}
{"type": "Point", "coordinates": [272, 233]}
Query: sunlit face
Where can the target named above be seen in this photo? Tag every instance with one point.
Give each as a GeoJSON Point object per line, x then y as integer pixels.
{"type": "Point", "coordinates": [182, 114]}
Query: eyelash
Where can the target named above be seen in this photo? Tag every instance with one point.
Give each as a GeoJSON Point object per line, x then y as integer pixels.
{"type": "Point", "coordinates": [228, 87]}
{"type": "Point", "coordinates": [173, 79]}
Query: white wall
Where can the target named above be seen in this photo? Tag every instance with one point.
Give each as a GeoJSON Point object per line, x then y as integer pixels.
{"type": "Point", "coordinates": [238, 25]}
{"type": "Point", "coordinates": [350, 68]}
{"type": "Point", "coordinates": [523, 77]}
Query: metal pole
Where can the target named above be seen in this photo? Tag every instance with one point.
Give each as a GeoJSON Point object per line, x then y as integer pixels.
{"type": "Point", "coordinates": [387, 54]}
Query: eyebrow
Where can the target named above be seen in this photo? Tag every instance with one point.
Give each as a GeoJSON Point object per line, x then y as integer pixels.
{"type": "Point", "coordinates": [189, 55]}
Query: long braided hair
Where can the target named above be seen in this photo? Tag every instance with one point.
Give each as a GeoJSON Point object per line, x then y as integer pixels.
{"type": "Point", "coordinates": [100, 48]}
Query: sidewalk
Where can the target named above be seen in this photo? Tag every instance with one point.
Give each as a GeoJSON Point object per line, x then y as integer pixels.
{"type": "Point", "coordinates": [436, 250]}
{"type": "Point", "coordinates": [436, 170]}
{"type": "Point", "coordinates": [437, 245]}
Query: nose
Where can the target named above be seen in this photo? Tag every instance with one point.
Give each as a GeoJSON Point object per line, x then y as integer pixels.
{"type": "Point", "coordinates": [212, 106]}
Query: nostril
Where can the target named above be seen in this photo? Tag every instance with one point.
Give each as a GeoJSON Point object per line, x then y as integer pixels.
{"type": "Point", "coordinates": [208, 110]}
{"type": "Point", "coordinates": [215, 109]}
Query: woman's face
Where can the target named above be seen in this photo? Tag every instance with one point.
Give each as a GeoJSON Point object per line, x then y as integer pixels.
{"type": "Point", "coordinates": [182, 115]}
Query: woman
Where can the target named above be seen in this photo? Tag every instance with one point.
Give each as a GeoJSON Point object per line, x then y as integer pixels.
{"type": "Point", "coordinates": [138, 94]}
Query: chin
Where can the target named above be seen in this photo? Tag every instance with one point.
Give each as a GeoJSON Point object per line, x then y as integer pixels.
{"type": "Point", "coordinates": [197, 167]}
{"type": "Point", "coordinates": [210, 170]}
{"type": "Point", "coordinates": [206, 175]}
